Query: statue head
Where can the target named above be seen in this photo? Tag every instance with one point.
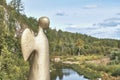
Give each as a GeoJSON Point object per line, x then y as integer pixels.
{"type": "Point", "coordinates": [44, 22]}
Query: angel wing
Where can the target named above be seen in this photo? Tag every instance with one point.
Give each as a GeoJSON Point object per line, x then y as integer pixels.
{"type": "Point", "coordinates": [27, 43]}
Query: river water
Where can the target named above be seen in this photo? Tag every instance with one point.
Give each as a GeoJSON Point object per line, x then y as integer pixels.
{"type": "Point", "coordinates": [66, 74]}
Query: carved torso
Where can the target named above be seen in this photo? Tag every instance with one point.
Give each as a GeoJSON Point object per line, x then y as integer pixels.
{"type": "Point", "coordinates": [36, 51]}
{"type": "Point", "coordinates": [39, 69]}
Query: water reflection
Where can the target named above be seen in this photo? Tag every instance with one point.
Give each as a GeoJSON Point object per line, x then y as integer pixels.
{"type": "Point", "coordinates": [66, 74]}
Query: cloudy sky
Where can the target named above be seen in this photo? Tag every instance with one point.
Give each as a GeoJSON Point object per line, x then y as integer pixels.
{"type": "Point", "coordinates": [98, 18]}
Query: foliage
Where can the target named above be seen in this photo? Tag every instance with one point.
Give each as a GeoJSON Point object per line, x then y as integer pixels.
{"type": "Point", "coordinates": [116, 72]}
{"type": "Point", "coordinates": [12, 66]}
{"type": "Point", "coordinates": [89, 73]}
{"type": "Point", "coordinates": [84, 66]}
{"type": "Point", "coordinates": [17, 5]}
{"type": "Point", "coordinates": [109, 69]}
{"type": "Point", "coordinates": [66, 43]}
{"type": "Point", "coordinates": [3, 2]}
{"type": "Point", "coordinates": [115, 56]}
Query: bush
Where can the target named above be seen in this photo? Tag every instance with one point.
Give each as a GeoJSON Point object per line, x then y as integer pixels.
{"type": "Point", "coordinates": [116, 72]}
{"type": "Point", "coordinates": [115, 57]}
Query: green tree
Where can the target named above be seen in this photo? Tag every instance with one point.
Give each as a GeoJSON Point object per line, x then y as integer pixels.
{"type": "Point", "coordinates": [12, 66]}
{"type": "Point", "coordinates": [115, 56]}
{"type": "Point", "coordinates": [17, 5]}
{"type": "Point", "coordinates": [79, 44]}
{"type": "Point", "coordinates": [3, 2]}
{"type": "Point", "coordinates": [119, 44]}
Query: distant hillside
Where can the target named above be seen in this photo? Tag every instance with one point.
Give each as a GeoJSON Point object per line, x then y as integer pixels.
{"type": "Point", "coordinates": [75, 43]}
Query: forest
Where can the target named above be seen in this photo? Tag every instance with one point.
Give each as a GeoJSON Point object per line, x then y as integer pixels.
{"type": "Point", "coordinates": [62, 43]}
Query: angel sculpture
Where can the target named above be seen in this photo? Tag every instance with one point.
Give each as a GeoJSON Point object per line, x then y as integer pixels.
{"type": "Point", "coordinates": [35, 49]}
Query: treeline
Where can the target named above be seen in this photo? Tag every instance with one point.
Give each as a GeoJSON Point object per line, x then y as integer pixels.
{"type": "Point", "coordinates": [66, 43]}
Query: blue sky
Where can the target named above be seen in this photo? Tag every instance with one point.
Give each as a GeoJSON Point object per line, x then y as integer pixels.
{"type": "Point", "coordinates": [98, 18]}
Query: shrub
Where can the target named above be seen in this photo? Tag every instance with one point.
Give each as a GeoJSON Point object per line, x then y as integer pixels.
{"type": "Point", "coordinates": [116, 72]}
{"type": "Point", "coordinates": [115, 57]}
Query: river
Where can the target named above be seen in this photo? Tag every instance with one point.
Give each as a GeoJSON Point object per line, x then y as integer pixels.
{"type": "Point", "coordinates": [66, 74]}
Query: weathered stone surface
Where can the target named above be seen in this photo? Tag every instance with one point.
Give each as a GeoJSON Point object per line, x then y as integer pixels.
{"type": "Point", "coordinates": [36, 51]}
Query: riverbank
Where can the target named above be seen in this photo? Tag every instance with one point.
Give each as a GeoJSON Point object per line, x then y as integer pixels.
{"type": "Point", "coordinates": [91, 66]}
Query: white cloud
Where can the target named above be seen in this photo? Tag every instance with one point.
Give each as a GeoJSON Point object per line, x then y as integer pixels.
{"type": "Point", "coordinates": [107, 32]}
{"type": "Point", "coordinates": [97, 31]}
{"type": "Point", "coordinates": [90, 6]}
{"type": "Point", "coordinates": [118, 13]}
{"type": "Point", "coordinates": [61, 13]}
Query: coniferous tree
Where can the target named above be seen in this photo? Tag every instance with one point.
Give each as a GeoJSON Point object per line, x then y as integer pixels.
{"type": "Point", "coordinates": [3, 2]}
{"type": "Point", "coordinates": [17, 5]}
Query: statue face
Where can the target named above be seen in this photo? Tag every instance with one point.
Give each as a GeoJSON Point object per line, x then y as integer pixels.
{"type": "Point", "coordinates": [44, 22]}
